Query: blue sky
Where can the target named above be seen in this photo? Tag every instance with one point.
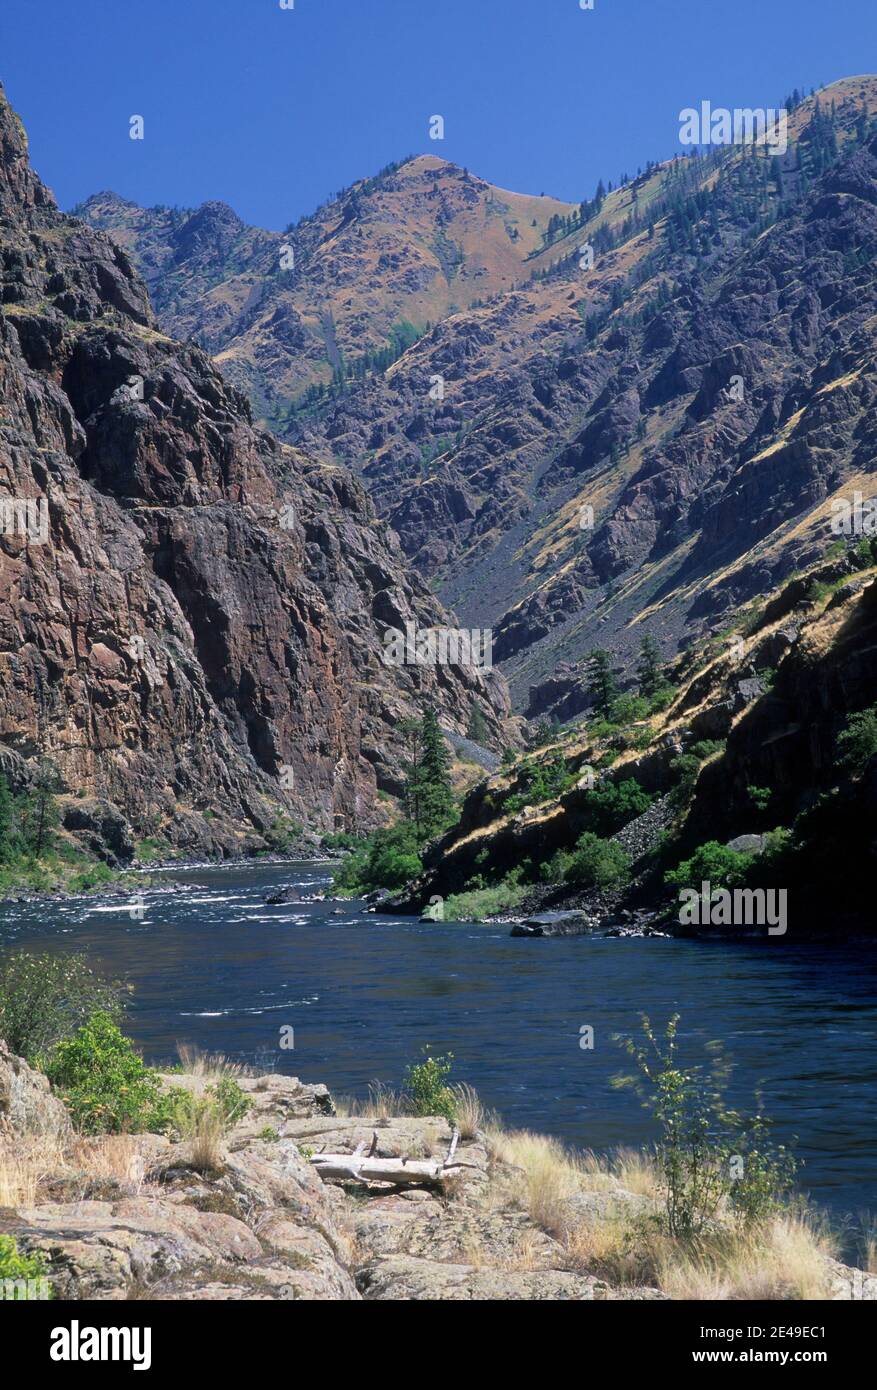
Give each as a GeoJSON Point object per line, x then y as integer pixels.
{"type": "Point", "coordinates": [273, 110]}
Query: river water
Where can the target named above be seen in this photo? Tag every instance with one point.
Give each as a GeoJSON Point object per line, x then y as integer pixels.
{"type": "Point", "coordinates": [215, 966]}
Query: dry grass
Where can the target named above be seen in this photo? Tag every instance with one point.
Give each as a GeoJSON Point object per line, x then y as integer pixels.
{"type": "Point", "coordinates": [207, 1064]}
{"type": "Point", "coordinates": [544, 1174]}
{"type": "Point", "coordinates": [613, 1246]}
{"type": "Point", "coordinates": [383, 1103]}
{"type": "Point", "coordinates": [636, 1172]}
{"type": "Point", "coordinates": [111, 1158]}
{"type": "Point", "coordinates": [26, 1166]}
{"type": "Point", "coordinates": [471, 1117]}
{"type": "Point", "coordinates": [528, 1254]}
{"type": "Point", "coordinates": [202, 1124]}
{"type": "Point", "coordinates": [785, 1257]}
{"type": "Point", "coordinates": [868, 1243]}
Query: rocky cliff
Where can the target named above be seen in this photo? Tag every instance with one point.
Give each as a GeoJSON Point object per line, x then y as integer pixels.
{"type": "Point", "coordinates": [192, 612]}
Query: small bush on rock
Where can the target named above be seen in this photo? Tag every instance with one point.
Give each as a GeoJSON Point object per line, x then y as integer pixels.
{"type": "Point", "coordinates": [104, 1082]}
{"type": "Point", "coordinates": [425, 1086]}
{"type": "Point", "coordinates": [708, 1156]}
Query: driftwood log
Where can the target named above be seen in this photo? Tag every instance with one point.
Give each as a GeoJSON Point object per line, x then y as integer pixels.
{"type": "Point", "coordinates": [362, 1167]}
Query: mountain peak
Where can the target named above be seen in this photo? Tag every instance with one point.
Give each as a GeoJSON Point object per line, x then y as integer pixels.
{"type": "Point", "coordinates": [106, 199]}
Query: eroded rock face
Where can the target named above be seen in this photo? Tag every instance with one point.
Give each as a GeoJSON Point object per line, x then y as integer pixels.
{"type": "Point", "coordinates": [192, 616]}
{"type": "Point", "coordinates": [27, 1106]}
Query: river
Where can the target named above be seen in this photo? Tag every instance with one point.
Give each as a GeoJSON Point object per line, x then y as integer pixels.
{"type": "Point", "coordinates": [215, 966]}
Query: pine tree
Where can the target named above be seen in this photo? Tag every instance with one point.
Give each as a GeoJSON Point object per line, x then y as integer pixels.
{"type": "Point", "coordinates": [40, 813]}
{"type": "Point", "coordinates": [601, 685]}
{"type": "Point", "coordinates": [6, 821]}
{"type": "Point", "coordinates": [649, 666]}
{"type": "Point", "coordinates": [429, 796]}
{"type": "Point", "coordinates": [438, 792]}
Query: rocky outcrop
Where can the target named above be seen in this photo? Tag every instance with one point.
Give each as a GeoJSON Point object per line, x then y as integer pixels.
{"type": "Point", "coordinates": [124, 1217]}
{"type": "Point", "coordinates": [27, 1106]}
{"type": "Point", "coordinates": [266, 1227]}
{"type": "Point", "coordinates": [192, 621]}
{"type": "Point", "coordinates": [556, 924]}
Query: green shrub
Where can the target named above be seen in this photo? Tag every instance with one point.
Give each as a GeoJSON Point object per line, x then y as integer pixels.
{"type": "Point", "coordinates": [611, 805]}
{"type": "Point", "coordinates": [707, 748]}
{"type": "Point", "coordinates": [425, 1086]}
{"type": "Point", "coordinates": [686, 769]}
{"type": "Point", "coordinates": [343, 839]}
{"type": "Point", "coordinates": [231, 1098]}
{"type": "Point", "coordinates": [10, 842]}
{"type": "Point", "coordinates": [662, 699]}
{"type": "Point", "coordinates": [598, 863]}
{"type": "Point", "coordinates": [539, 782]}
{"type": "Point", "coordinates": [148, 850]}
{"type": "Point", "coordinates": [388, 859]}
{"type": "Point", "coordinates": [712, 863]}
{"type": "Point", "coordinates": [45, 998]}
{"type": "Point", "coordinates": [857, 744]}
{"type": "Point", "coordinates": [19, 1269]}
{"type": "Point", "coordinates": [627, 709]}
{"type": "Point", "coordinates": [555, 869]}
{"type": "Point", "coordinates": [764, 1172]}
{"type": "Point", "coordinates": [478, 903]}
{"type": "Point", "coordinates": [104, 1082]}
{"type": "Point", "coordinates": [779, 848]}
{"type": "Point", "coordinates": [284, 834]}
{"type": "Point", "coordinates": [706, 1153]}
{"type": "Point", "coordinates": [477, 728]}
{"type": "Point", "coordinates": [95, 876]}
{"type": "Point", "coordinates": [203, 1120]}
